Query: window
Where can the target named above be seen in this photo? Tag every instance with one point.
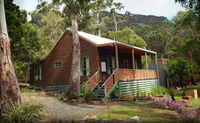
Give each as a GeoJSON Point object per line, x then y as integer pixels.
{"type": "Point", "coordinates": [111, 64]}
{"type": "Point", "coordinates": [38, 72]}
{"type": "Point", "coordinates": [85, 67]}
{"type": "Point", "coordinates": [57, 64]}
{"type": "Point", "coordinates": [126, 63]}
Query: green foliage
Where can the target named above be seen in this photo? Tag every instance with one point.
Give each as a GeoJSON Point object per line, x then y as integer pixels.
{"type": "Point", "coordinates": [179, 70]}
{"type": "Point", "coordinates": [27, 50]}
{"type": "Point", "coordinates": [194, 6]}
{"type": "Point", "coordinates": [141, 29]}
{"type": "Point", "coordinates": [116, 93]}
{"type": "Point", "coordinates": [52, 28]}
{"type": "Point", "coordinates": [14, 18]}
{"type": "Point", "coordinates": [62, 96]}
{"type": "Point", "coordinates": [26, 112]}
{"type": "Point", "coordinates": [138, 92]}
{"type": "Point", "coordinates": [172, 92]}
{"type": "Point", "coordinates": [127, 36]}
{"type": "Point", "coordinates": [24, 84]}
{"type": "Point", "coordinates": [160, 37]}
{"type": "Point", "coordinates": [30, 91]}
{"type": "Point", "coordinates": [159, 90]}
{"type": "Point", "coordinates": [88, 96]}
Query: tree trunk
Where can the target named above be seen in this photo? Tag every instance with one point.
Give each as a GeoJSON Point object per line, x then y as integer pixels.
{"type": "Point", "coordinates": [115, 22]}
{"type": "Point", "coordinates": [9, 87]}
{"type": "Point", "coordinates": [74, 89]}
{"type": "Point", "coordinates": [192, 68]}
{"type": "Point", "coordinates": [98, 22]}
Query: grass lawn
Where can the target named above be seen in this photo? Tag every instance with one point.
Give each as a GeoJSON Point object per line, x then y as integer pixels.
{"type": "Point", "coordinates": [26, 90]}
{"type": "Point", "coordinates": [147, 112]}
{"type": "Point", "coordinates": [24, 84]}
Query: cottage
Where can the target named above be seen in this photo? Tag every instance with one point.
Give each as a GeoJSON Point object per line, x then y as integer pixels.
{"type": "Point", "coordinates": [104, 63]}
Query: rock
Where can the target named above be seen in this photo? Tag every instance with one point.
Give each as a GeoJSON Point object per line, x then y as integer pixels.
{"type": "Point", "coordinates": [93, 118]}
{"type": "Point", "coordinates": [192, 93]}
{"type": "Point", "coordinates": [86, 118]}
{"type": "Point", "coordinates": [136, 119]}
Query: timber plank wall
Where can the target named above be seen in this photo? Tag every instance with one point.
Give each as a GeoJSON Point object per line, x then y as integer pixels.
{"type": "Point", "coordinates": [63, 52]}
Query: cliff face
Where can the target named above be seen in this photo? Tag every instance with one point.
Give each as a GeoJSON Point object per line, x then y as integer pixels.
{"type": "Point", "coordinates": [145, 19]}
{"type": "Point", "coordinates": [137, 18]}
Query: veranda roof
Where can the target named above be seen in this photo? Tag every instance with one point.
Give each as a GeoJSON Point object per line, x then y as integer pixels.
{"type": "Point", "coordinates": [101, 42]}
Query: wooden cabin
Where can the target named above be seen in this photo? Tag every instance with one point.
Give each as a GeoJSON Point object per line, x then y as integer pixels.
{"type": "Point", "coordinates": [104, 62]}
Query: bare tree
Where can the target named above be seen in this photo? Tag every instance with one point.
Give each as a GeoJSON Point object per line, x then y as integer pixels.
{"type": "Point", "coordinates": [74, 89]}
{"type": "Point", "coordinates": [9, 87]}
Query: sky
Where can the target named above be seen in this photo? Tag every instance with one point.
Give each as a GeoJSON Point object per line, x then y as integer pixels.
{"type": "Point", "coordinates": [166, 8]}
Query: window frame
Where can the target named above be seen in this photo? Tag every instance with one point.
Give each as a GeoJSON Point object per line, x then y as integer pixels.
{"type": "Point", "coordinates": [86, 64]}
{"type": "Point", "coordinates": [38, 73]}
{"type": "Point", "coordinates": [58, 66]}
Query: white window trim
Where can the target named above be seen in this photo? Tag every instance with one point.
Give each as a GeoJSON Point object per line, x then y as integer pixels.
{"type": "Point", "coordinates": [38, 77]}
{"type": "Point", "coordinates": [57, 66]}
{"type": "Point", "coordinates": [87, 66]}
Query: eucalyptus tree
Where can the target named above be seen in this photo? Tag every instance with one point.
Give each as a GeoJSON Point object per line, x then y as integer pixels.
{"type": "Point", "coordinates": [75, 9]}
{"type": "Point", "coordinates": [99, 19]}
{"type": "Point", "coordinates": [193, 5]}
{"type": "Point", "coordinates": [9, 87]}
{"type": "Point", "coordinates": [127, 36]}
{"type": "Point", "coordinates": [97, 7]}
{"type": "Point", "coordinates": [114, 15]}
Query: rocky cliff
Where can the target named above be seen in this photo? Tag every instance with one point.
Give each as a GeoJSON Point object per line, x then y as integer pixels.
{"type": "Point", "coordinates": [137, 18]}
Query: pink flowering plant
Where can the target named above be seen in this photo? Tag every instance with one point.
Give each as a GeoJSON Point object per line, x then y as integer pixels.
{"type": "Point", "coordinates": [184, 114]}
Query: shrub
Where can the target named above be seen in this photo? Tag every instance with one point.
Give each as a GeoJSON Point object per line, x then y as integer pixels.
{"type": "Point", "coordinates": [178, 70]}
{"type": "Point", "coordinates": [138, 92]}
{"type": "Point", "coordinates": [172, 92]}
{"type": "Point", "coordinates": [157, 90]}
{"type": "Point", "coordinates": [141, 92]}
{"type": "Point", "coordinates": [62, 96]}
{"type": "Point", "coordinates": [187, 116]}
{"type": "Point", "coordinates": [88, 96]}
{"type": "Point", "coordinates": [26, 112]}
{"type": "Point", "coordinates": [116, 93]}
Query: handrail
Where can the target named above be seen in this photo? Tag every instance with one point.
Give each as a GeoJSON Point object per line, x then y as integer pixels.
{"type": "Point", "coordinates": [110, 77]}
{"type": "Point", "coordinates": [96, 73]}
{"type": "Point", "coordinates": [111, 85]}
{"type": "Point", "coordinates": [92, 76]}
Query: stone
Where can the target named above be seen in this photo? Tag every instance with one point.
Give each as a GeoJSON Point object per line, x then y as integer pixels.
{"type": "Point", "coordinates": [93, 118]}
{"type": "Point", "coordinates": [85, 118]}
{"type": "Point", "coordinates": [192, 93]}
{"type": "Point", "coordinates": [136, 119]}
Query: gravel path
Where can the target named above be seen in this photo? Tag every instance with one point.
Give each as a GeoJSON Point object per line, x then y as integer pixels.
{"type": "Point", "coordinates": [58, 110]}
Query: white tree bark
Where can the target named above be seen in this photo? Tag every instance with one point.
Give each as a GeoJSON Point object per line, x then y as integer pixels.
{"type": "Point", "coordinates": [74, 89]}
{"type": "Point", "coordinates": [3, 18]}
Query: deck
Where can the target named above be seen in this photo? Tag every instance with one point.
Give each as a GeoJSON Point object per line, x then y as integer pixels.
{"type": "Point", "coordinates": [122, 75]}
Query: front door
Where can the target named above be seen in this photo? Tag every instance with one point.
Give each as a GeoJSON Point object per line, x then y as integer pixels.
{"type": "Point", "coordinates": [111, 64]}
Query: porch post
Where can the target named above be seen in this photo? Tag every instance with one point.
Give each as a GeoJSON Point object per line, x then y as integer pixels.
{"type": "Point", "coordinates": [156, 64]}
{"type": "Point", "coordinates": [133, 58]}
{"type": "Point", "coordinates": [146, 60]}
{"type": "Point", "coordinates": [116, 56]}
